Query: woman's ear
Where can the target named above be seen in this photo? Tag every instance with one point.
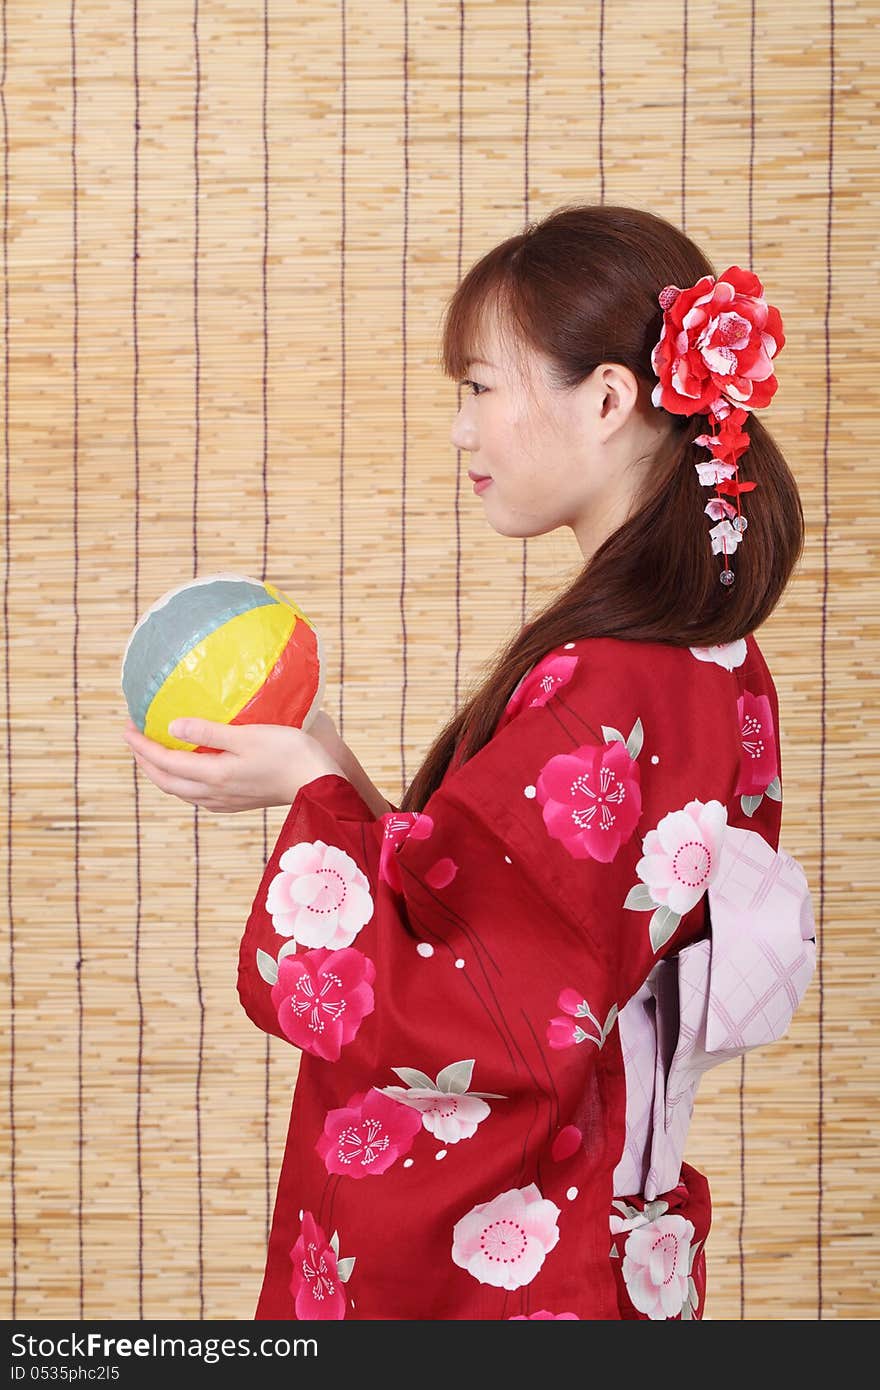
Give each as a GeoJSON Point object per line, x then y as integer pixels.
{"type": "Point", "coordinates": [619, 390]}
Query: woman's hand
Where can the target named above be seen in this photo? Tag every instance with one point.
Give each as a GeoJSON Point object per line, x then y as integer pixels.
{"type": "Point", "coordinates": [258, 765]}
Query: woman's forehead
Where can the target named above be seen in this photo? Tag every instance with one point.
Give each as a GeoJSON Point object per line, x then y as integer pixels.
{"type": "Point", "coordinates": [496, 343]}
{"type": "Point", "coordinates": [500, 351]}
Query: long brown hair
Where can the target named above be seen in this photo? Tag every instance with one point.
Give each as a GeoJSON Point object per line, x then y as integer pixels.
{"type": "Point", "coordinates": [581, 287]}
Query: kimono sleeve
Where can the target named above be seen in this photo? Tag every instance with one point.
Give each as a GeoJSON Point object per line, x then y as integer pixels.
{"type": "Point", "coordinates": [563, 859]}
{"type": "Point", "coordinates": [312, 893]}
{"type": "Point", "coordinates": [605, 798]}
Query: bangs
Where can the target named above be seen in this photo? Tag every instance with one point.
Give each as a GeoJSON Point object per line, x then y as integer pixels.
{"type": "Point", "coordinates": [484, 299]}
{"type": "Point", "coordinates": [464, 331]}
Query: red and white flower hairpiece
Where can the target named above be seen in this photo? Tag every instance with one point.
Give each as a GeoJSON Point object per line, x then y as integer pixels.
{"type": "Point", "coordinates": [714, 357]}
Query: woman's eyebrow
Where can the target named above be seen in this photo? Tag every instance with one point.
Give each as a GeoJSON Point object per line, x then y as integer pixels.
{"type": "Point", "coordinates": [471, 360]}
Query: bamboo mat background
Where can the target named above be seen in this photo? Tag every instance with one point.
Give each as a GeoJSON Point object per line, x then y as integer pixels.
{"type": "Point", "coordinates": [229, 231]}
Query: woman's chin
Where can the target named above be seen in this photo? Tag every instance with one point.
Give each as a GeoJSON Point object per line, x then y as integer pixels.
{"type": "Point", "coordinates": [520, 529]}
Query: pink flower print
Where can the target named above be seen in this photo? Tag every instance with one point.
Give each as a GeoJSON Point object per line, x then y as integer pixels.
{"type": "Point", "coordinates": [315, 1281]}
{"type": "Point", "coordinates": [591, 799]}
{"type": "Point", "coordinates": [505, 1242]}
{"type": "Point", "coordinates": [367, 1135]}
{"type": "Point", "coordinates": [398, 826]}
{"type": "Point", "coordinates": [567, 1142]}
{"type": "Point", "coordinates": [758, 762]}
{"type": "Point", "coordinates": [530, 1317]}
{"type": "Point", "coordinates": [565, 1032]}
{"type": "Point", "coordinates": [681, 857]}
{"type": "Point", "coordinates": [656, 1266]}
{"type": "Point", "coordinates": [441, 873]}
{"type": "Point", "coordinates": [320, 896]}
{"type": "Point", "coordinates": [540, 683]}
{"type": "Point", "coordinates": [561, 1032]}
{"type": "Point", "coordinates": [322, 997]}
{"type": "Point", "coordinates": [448, 1117]}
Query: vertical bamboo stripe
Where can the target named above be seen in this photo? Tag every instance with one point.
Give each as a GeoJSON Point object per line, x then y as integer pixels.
{"type": "Point", "coordinates": [195, 569]}
{"type": "Point", "coordinates": [136, 608]}
{"type": "Point", "coordinates": [684, 107]}
{"type": "Point", "coordinates": [459, 268]}
{"type": "Point", "coordinates": [7, 536]}
{"type": "Point", "coordinates": [826, 523]}
{"type": "Point", "coordinates": [528, 90]}
{"type": "Point", "coordinates": [267, 1059]}
{"type": "Point", "coordinates": [403, 399]}
{"type": "Point", "coordinates": [601, 101]}
{"type": "Point", "coordinates": [78, 960]}
{"type": "Point", "coordinates": [342, 369]}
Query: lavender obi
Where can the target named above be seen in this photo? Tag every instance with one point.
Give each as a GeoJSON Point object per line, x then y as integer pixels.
{"type": "Point", "coordinates": [716, 999]}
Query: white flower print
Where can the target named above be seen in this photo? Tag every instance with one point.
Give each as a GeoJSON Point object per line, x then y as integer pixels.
{"type": "Point", "coordinates": [681, 857]}
{"type": "Point", "coordinates": [449, 1110]}
{"type": "Point", "coordinates": [320, 896]}
{"type": "Point", "coordinates": [449, 1118]}
{"type": "Point", "coordinates": [505, 1242]}
{"type": "Point", "coordinates": [727, 654]}
{"type": "Point", "coordinates": [657, 1262]}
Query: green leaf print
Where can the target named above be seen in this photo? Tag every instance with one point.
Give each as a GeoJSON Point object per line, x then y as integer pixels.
{"type": "Point", "coordinates": [662, 926]}
{"type": "Point", "coordinates": [639, 899]}
{"type": "Point", "coordinates": [414, 1078]}
{"type": "Point", "coordinates": [456, 1078]}
{"type": "Point", "coordinates": [267, 967]}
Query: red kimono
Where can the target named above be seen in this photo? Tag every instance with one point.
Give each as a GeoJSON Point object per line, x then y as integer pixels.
{"type": "Point", "coordinates": [472, 1134]}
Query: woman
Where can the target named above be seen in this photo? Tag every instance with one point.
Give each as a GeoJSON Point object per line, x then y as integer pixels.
{"type": "Point", "coordinates": [485, 981]}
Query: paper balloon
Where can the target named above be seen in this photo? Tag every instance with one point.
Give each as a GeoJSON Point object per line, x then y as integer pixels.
{"type": "Point", "coordinates": [227, 648]}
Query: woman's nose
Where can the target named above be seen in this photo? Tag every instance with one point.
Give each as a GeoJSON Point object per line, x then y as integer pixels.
{"type": "Point", "coordinates": [462, 434]}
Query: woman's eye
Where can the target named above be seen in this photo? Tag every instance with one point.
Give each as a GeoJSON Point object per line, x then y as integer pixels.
{"type": "Point", "coordinates": [477, 388]}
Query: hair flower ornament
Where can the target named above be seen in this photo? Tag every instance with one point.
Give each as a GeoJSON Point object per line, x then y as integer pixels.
{"type": "Point", "coordinates": [715, 357]}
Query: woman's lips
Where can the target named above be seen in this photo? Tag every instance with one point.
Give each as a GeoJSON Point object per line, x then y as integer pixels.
{"type": "Point", "coordinates": [479, 480]}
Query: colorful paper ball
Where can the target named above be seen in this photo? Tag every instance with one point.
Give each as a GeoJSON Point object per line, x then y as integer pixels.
{"type": "Point", "coordinates": [227, 648]}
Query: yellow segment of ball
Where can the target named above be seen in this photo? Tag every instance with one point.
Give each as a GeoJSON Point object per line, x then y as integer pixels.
{"type": "Point", "coordinates": [219, 675]}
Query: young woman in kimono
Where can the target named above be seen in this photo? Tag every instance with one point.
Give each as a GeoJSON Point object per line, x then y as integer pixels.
{"type": "Point", "coordinates": [505, 988]}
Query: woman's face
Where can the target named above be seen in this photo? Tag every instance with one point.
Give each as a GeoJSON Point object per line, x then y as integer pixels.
{"type": "Point", "coordinates": [555, 457]}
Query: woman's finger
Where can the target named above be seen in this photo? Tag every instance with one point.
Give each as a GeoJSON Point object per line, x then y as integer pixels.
{"type": "Point", "coordinates": [182, 787]}
{"type": "Point", "coordinates": [207, 733]}
{"type": "Point", "coordinates": [176, 762]}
